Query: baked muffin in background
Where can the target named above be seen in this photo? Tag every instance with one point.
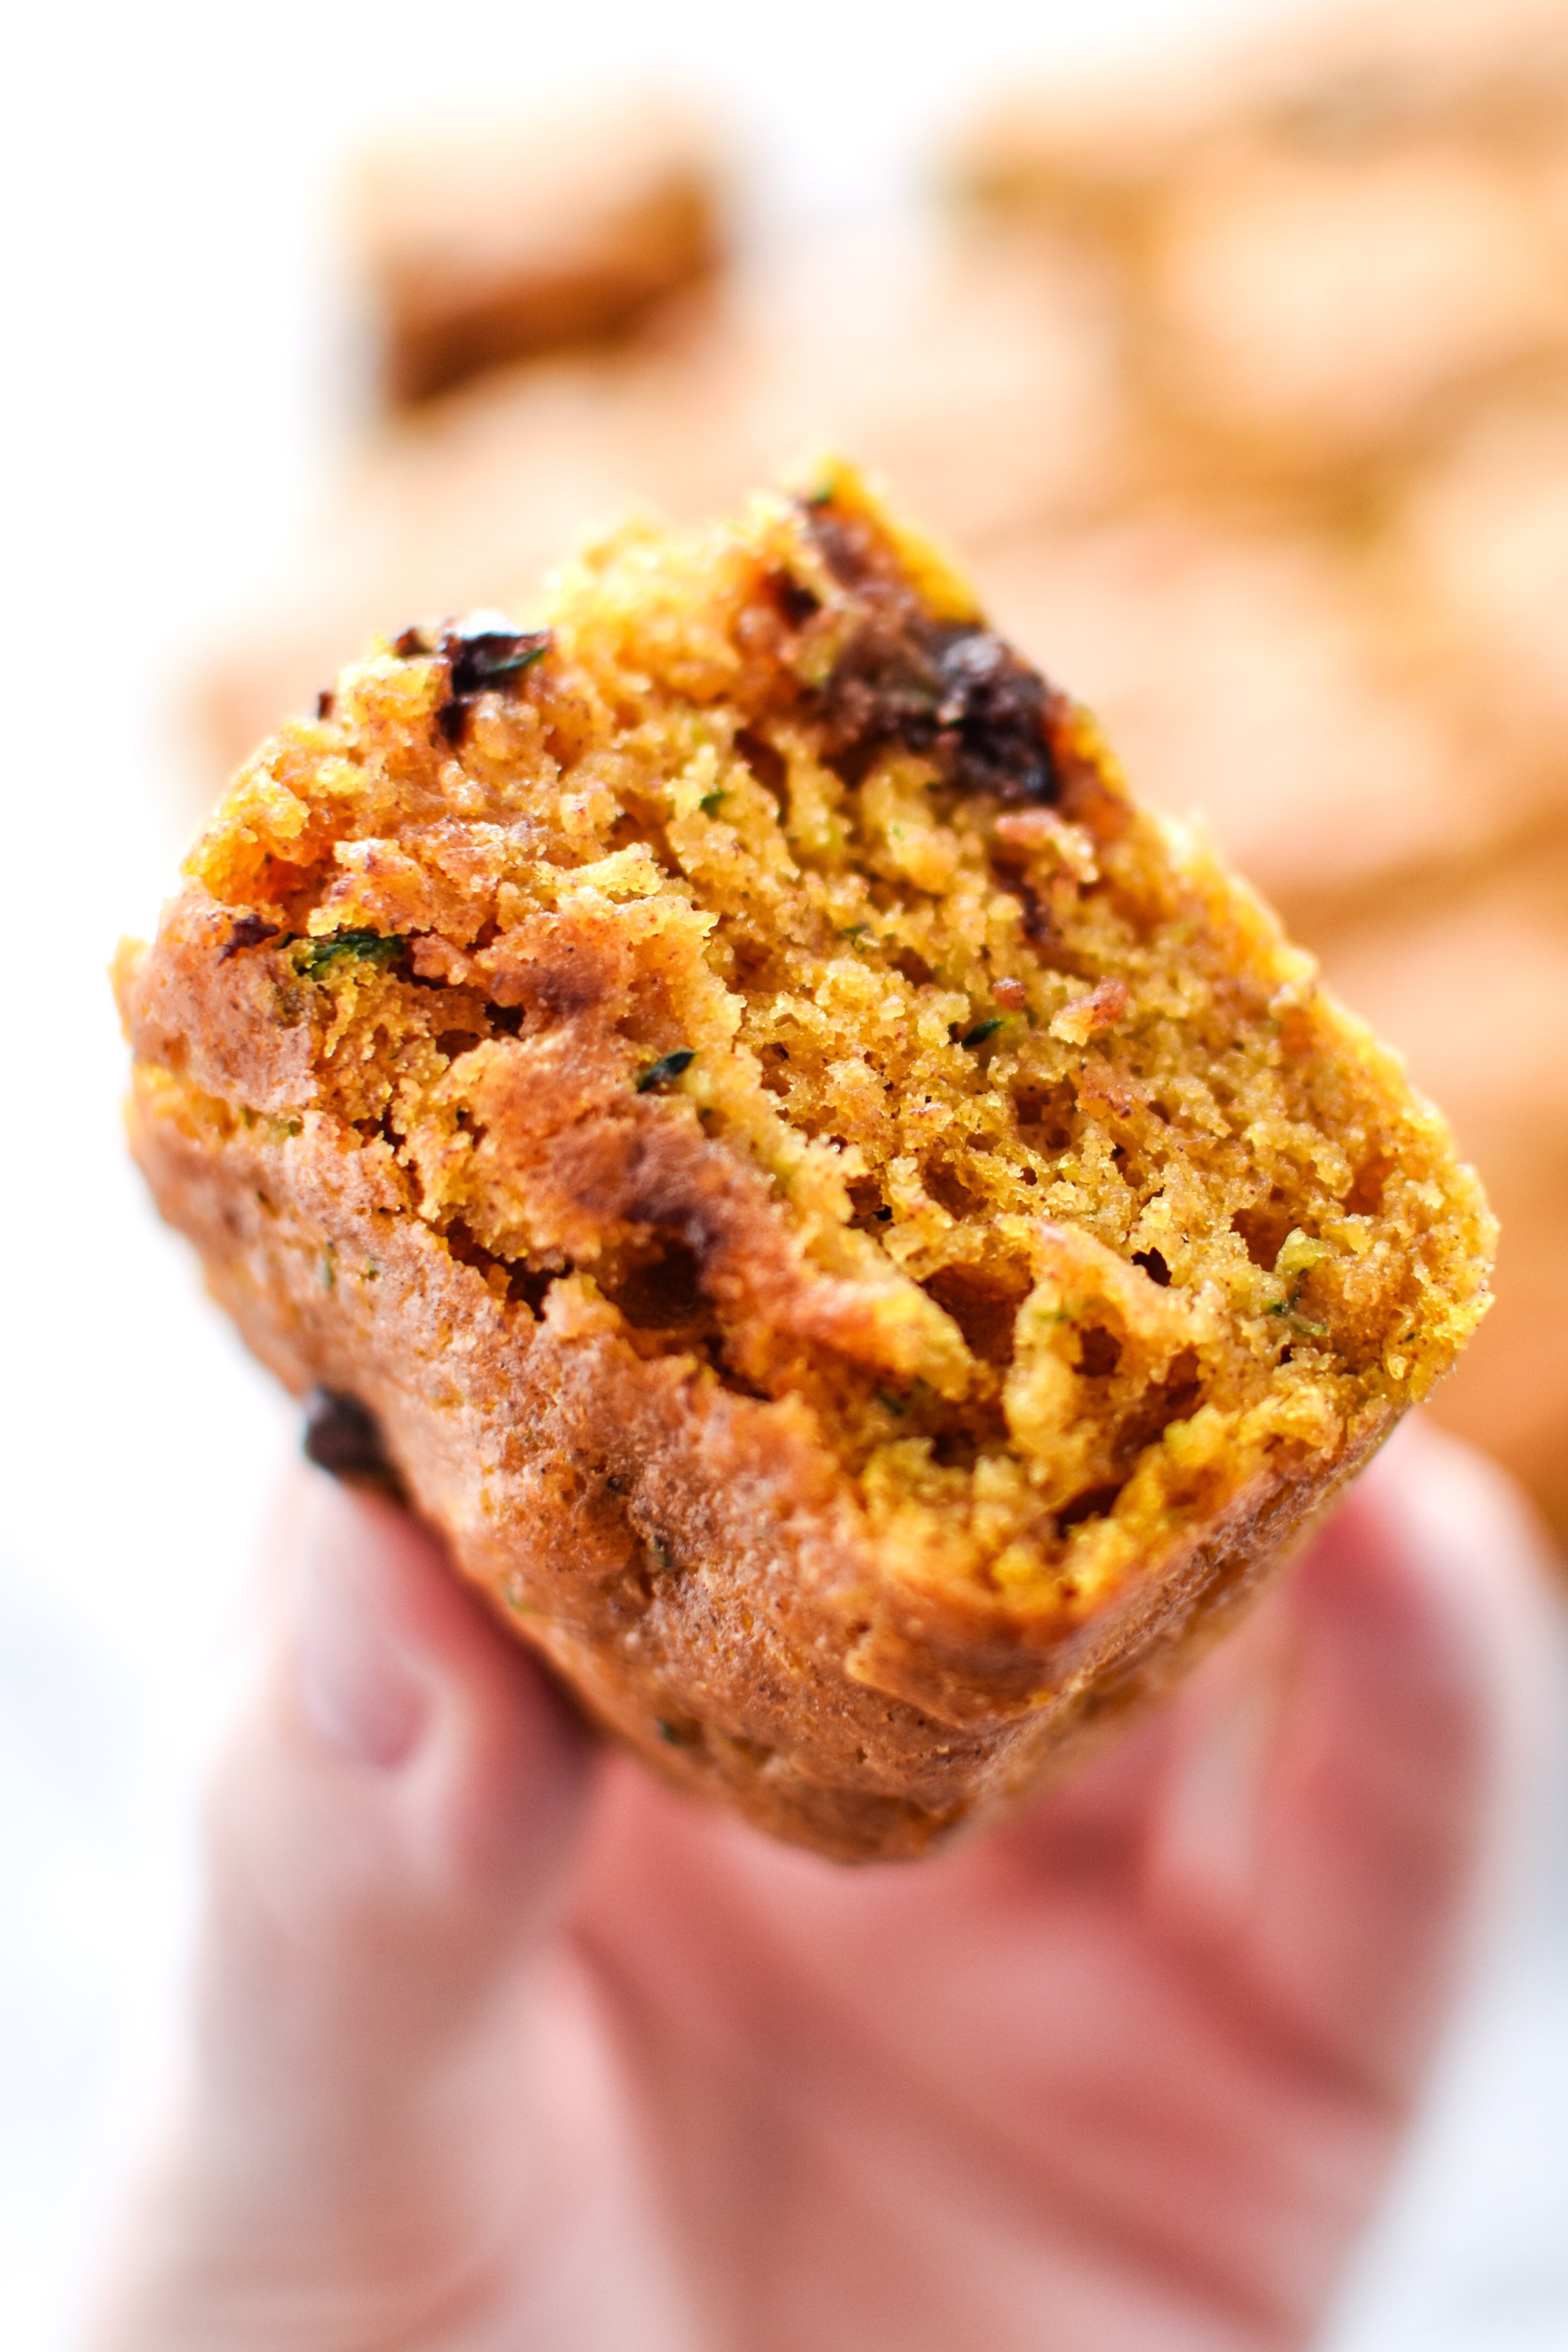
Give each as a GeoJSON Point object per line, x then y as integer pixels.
{"type": "Point", "coordinates": [1334, 256]}
{"type": "Point", "coordinates": [490, 241]}
{"type": "Point", "coordinates": [1322, 235]}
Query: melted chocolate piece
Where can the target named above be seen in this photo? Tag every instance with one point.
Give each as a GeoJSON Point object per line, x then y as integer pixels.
{"type": "Point", "coordinates": [796, 602]}
{"type": "Point", "coordinates": [249, 931]}
{"type": "Point", "coordinates": [956, 693]}
{"type": "Point", "coordinates": [482, 651]}
{"type": "Point", "coordinates": [947, 688]}
{"type": "Point", "coordinates": [344, 1438]}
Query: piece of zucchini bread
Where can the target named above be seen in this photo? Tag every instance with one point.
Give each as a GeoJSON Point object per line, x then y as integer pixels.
{"type": "Point", "coordinates": [865, 1243]}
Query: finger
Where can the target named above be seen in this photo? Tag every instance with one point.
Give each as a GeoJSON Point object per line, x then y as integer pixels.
{"type": "Point", "coordinates": [390, 1831]}
{"type": "Point", "coordinates": [1341, 1781]}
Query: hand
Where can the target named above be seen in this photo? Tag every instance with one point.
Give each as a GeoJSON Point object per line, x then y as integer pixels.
{"type": "Point", "coordinates": [499, 2044]}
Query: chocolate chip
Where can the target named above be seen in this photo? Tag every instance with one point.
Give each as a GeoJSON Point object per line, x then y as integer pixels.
{"type": "Point", "coordinates": [947, 688]}
{"type": "Point", "coordinates": [796, 602]}
{"type": "Point", "coordinates": [248, 931]}
{"type": "Point", "coordinates": [326, 702]}
{"type": "Point", "coordinates": [997, 706]}
{"type": "Point", "coordinates": [484, 651]}
{"type": "Point", "coordinates": [411, 645]}
{"type": "Point", "coordinates": [344, 1438]}
{"type": "Point", "coordinates": [481, 652]}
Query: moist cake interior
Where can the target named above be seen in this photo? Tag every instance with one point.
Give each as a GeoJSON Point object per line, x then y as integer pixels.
{"type": "Point", "coordinates": [767, 833]}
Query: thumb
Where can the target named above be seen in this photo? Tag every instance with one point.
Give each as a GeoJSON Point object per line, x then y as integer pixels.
{"type": "Point", "coordinates": [389, 1834]}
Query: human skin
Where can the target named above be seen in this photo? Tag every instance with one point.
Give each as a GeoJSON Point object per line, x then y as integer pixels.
{"type": "Point", "coordinates": [496, 2042]}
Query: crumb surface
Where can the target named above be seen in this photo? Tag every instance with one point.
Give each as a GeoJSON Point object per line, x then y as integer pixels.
{"type": "Point", "coordinates": [863, 1241]}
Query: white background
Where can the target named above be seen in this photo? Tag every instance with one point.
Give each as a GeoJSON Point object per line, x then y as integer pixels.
{"type": "Point", "coordinates": [175, 382]}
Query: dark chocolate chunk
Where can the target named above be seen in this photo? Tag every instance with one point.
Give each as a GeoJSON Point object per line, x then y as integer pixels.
{"type": "Point", "coordinates": [669, 1066]}
{"type": "Point", "coordinates": [482, 651]}
{"type": "Point", "coordinates": [248, 931]}
{"type": "Point", "coordinates": [344, 1438]}
{"type": "Point", "coordinates": [947, 688]}
{"type": "Point", "coordinates": [796, 602]}
{"type": "Point", "coordinates": [998, 706]}
{"type": "Point", "coordinates": [326, 702]}
{"type": "Point", "coordinates": [411, 644]}
{"type": "Point", "coordinates": [958, 693]}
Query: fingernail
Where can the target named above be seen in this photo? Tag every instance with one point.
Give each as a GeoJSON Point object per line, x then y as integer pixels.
{"type": "Point", "coordinates": [360, 1691]}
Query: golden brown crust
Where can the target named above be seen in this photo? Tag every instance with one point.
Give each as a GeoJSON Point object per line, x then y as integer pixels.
{"type": "Point", "coordinates": [575, 1049]}
{"type": "Point", "coordinates": [686, 1557]}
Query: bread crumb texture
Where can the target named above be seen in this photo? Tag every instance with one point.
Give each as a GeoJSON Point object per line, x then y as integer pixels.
{"type": "Point", "coordinates": [864, 1242]}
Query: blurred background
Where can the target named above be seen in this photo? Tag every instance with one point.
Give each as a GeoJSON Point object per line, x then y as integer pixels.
{"type": "Point", "coordinates": [1227, 339]}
